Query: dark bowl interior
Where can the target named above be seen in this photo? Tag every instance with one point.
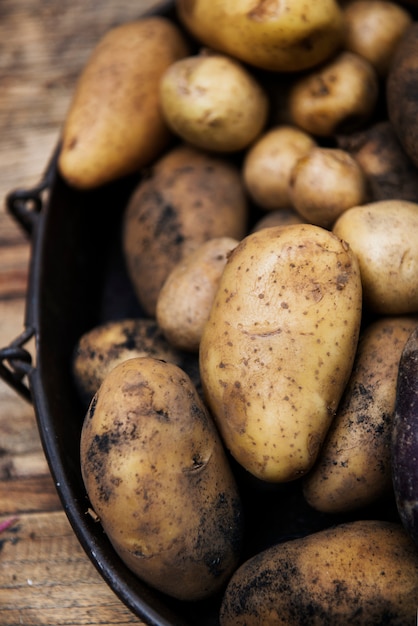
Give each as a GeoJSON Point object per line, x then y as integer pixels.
{"type": "Point", "coordinates": [78, 280]}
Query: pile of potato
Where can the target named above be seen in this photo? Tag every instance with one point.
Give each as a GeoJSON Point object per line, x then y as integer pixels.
{"type": "Point", "coordinates": [271, 242]}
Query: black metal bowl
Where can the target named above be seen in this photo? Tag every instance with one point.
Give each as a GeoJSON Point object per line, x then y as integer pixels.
{"type": "Point", "coordinates": [77, 281]}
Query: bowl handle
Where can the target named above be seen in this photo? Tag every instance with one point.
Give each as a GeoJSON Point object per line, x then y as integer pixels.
{"type": "Point", "coordinates": [16, 363]}
{"type": "Point", "coordinates": [26, 204]}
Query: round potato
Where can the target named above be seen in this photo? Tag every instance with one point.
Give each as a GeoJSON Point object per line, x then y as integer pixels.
{"type": "Point", "coordinates": [383, 236]}
{"type": "Point", "coordinates": [359, 573]}
{"type": "Point", "coordinates": [185, 299]}
{"type": "Point", "coordinates": [114, 125]}
{"type": "Point", "coordinates": [213, 102]}
{"type": "Point", "coordinates": [188, 198]}
{"type": "Point", "coordinates": [373, 30]}
{"type": "Point", "coordinates": [103, 347]}
{"type": "Point", "coordinates": [324, 183]}
{"type": "Point", "coordinates": [157, 476]}
{"type": "Point", "coordinates": [269, 162]}
{"type": "Point", "coordinates": [354, 464]}
{"type": "Point", "coordinates": [277, 350]}
{"type": "Point", "coordinates": [285, 37]}
{"type": "Point", "coordinates": [339, 96]}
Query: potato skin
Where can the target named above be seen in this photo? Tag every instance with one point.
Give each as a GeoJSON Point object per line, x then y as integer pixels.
{"type": "Point", "coordinates": [278, 348]}
{"type": "Point", "coordinates": [283, 37]}
{"type": "Point", "coordinates": [105, 138]}
{"type": "Point", "coordinates": [103, 347]}
{"type": "Point", "coordinates": [157, 476]}
{"type": "Point", "coordinates": [186, 298]}
{"type": "Point", "coordinates": [383, 236]}
{"type": "Point", "coordinates": [354, 464]}
{"type": "Point", "coordinates": [188, 198]}
{"type": "Point", "coordinates": [359, 573]}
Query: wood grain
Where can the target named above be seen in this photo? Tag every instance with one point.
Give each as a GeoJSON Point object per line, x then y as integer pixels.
{"type": "Point", "coordinates": [46, 579]}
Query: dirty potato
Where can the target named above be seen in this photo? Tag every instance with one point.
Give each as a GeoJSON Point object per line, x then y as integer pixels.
{"type": "Point", "coordinates": [354, 464]}
{"type": "Point", "coordinates": [157, 476]}
{"type": "Point", "coordinates": [188, 198]}
{"type": "Point", "coordinates": [359, 573]}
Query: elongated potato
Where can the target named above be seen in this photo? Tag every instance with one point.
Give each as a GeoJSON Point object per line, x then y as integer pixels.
{"type": "Point", "coordinates": [405, 437]}
{"type": "Point", "coordinates": [354, 464]}
{"type": "Point", "coordinates": [188, 198]}
{"type": "Point", "coordinates": [114, 125]}
{"type": "Point", "coordinates": [157, 476]}
{"type": "Point", "coordinates": [358, 574]}
{"type": "Point", "coordinates": [279, 345]}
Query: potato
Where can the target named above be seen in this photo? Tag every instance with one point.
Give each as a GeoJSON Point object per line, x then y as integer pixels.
{"type": "Point", "coordinates": [269, 162]}
{"type": "Point", "coordinates": [354, 464]}
{"type": "Point", "coordinates": [185, 299]}
{"type": "Point", "coordinates": [284, 37]}
{"type": "Point", "coordinates": [404, 444]}
{"type": "Point", "coordinates": [157, 476]}
{"type": "Point", "coordinates": [401, 94]}
{"type": "Point", "coordinates": [340, 96]}
{"type": "Point", "coordinates": [213, 102]}
{"type": "Point", "coordinates": [359, 573]}
{"type": "Point", "coordinates": [103, 347]}
{"type": "Point", "coordinates": [114, 125]}
{"type": "Point", "coordinates": [324, 183]}
{"type": "Point", "coordinates": [278, 348]}
{"type": "Point", "coordinates": [383, 235]}
{"type": "Point", "coordinates": [390, 173]}
{"type": "Point", "coordinates": [373, 30]}
{"type": "Point", "coordinates": [188, 198]}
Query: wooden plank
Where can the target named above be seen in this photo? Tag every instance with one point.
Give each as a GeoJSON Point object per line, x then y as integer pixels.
{"type": "Point", "coordinates": [41, 585]}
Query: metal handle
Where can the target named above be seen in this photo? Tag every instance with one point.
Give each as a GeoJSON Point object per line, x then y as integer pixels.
{"type": "Point", "coordinates": [16, 363]}
{"type": "Point", "coordinates": [25, 204]}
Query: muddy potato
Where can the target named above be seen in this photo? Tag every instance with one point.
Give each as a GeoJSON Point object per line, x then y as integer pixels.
{"type": "Point", "coordinates": [213, 102]}
{"type": "Point", "coordinates": [157, 476]}
{"type": "Point", "coordinates": [188, 198]}
{"type": "Point", "coordinates": [284, 37]}
{"type": "Point", "coordinates": [324, 183]}
{"type": "Point", "coordinates": [339, 96]}
{"type": "Point", "coordinates": [401, 93]}
{"type": "Point", "coordinates": [185, 299]}
{"type": "Point", "coordinates": [269, 162]}
{"type": "Point", "coordinates": [359, 573]}
{"type": "Point", "coordinates": [383, 236]}
{"type": "Point", "coordinates": [354, 465]}
{"type": "Point", "coordinates": [278, 348]}
{"type": "Point", "coordinates": [373, 30]}
{"type": "Point", "coordinates": [389, 171]}
{"type": "Point", "coordinates": [114, 125]}
{"type": "Point", "coordinates": [404, 445]}
{"type": "Point", "coordinates": [103, 347]}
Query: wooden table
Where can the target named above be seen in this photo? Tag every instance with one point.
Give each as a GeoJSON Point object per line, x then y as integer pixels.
{"type": "Point", "coordinates": [45, 576]}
